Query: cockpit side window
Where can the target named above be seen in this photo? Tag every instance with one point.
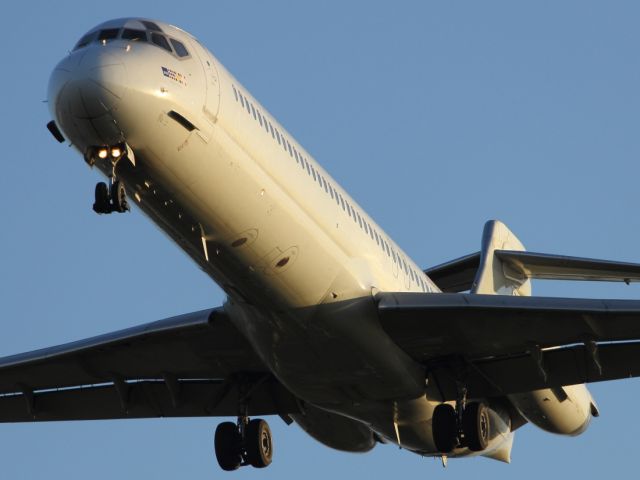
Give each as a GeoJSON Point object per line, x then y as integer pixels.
{"type": "Point", "coordinates": [108, 34]}
{"type": "Point", "coordinates": [86, 40]}
{"type": "Point", "coordinates": [134, 35]}
{"type": "Point", "coordinates": [161, 41]}
{"type": "Point", "coordinates": [179, 47]}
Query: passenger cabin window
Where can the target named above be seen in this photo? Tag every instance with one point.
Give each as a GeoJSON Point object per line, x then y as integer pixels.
{"type": "Point", "coordinates": [179, 47]}
{"type": "Point", "coordinates": [108, 34]}
{"type": "Point", "coordinates": [134, 35]}
{"type": "Point", "coordinates": [161, 41]}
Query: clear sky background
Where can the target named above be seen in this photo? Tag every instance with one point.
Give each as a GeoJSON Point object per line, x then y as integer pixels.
{"type": "Point", "coordinates": [436, 116]}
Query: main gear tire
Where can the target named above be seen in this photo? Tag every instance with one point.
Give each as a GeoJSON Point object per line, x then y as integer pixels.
{"type": "Point", "coordinates": [258, 443]}
{"type": "Point", "coordinates": [444, 428]}
{"type": "Point", "coordinates": [476, 426]}
{"type": "Point", "coordinates": [228, 446]}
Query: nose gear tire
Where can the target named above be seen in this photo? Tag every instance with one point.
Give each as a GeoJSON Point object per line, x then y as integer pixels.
{"type": "Point", "coordinates": [119, 197]}
{"type": "Point", "coordinates": [102, 204]}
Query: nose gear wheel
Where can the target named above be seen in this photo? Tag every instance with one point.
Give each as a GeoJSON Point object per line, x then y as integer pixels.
{"type": "Point", "coordinates": [109, 200]}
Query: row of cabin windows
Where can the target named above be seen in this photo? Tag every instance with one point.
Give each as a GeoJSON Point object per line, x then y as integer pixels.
{"type": "Point", "coordinates": [329, 189]}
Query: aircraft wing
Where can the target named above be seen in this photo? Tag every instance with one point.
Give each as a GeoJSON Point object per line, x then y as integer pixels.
{"type": "Point", "coordinates": [497, 345]}
{"type": "Point", "coordinates": [190, 365]}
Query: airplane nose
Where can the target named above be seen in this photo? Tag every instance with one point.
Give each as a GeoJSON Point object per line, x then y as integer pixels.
{"type": "Point", "coordinates": [100, 83]}
{"type": "Point", "coordinates": [85, 92]}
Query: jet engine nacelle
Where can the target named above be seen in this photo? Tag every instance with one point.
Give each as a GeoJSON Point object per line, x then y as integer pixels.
{"type": "Point", "coordinates": [563, 410]}
{"type": "Point", "coordinates": [334, 430]}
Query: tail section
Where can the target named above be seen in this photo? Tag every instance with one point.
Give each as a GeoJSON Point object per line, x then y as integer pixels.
{"type": "Point", "coordinates": [495, 277]}
{"type": "Point", "coordinates": [564, 409]}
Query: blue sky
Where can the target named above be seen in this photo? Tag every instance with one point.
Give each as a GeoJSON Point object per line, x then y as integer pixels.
{"type": "Point", "coordinates": [436, 116]}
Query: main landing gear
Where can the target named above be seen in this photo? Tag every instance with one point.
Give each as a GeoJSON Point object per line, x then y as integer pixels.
{"type": "Point", "coordinates": [248, 442]}
{"type": "Point", "coordinates": [464, 426]}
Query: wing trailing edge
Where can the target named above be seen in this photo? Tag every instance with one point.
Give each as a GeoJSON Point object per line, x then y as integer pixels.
{"type": "Point", "coordinates": [195, 364]}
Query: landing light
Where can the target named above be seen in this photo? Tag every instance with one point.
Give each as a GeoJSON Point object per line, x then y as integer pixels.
{"type": "Point", "coordinates": [115, 152]}
{"type": "Point", "coordinates": [102, 153]}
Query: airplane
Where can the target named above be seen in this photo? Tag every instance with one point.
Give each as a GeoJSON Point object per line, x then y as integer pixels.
{"type": "Point", "coordinates": [328, 323]}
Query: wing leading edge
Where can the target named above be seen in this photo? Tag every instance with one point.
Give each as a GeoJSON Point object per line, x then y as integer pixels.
{"type": "Point", "coordinates": [499, 345]}
{"type": "Point", "coordinates": [196, 364]}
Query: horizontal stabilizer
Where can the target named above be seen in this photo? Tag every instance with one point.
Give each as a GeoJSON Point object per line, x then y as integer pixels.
{"type": "Point", "coordinates": [562, 267]}
{"type": "Point", "coordinates": [455, 275]}
{"type": "Point", "coordinates": [458, 275]}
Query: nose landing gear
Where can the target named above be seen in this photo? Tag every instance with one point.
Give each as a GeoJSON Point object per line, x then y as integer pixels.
{"type": "Point", "coordinates": [247, 443]}
{"type": "Point", "coordinates": [110, 199]}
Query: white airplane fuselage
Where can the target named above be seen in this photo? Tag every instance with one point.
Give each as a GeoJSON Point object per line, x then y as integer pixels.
{"type": "Point", "coordinates": [299, 260]}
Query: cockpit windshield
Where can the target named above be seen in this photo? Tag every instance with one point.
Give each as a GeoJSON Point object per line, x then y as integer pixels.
{"type": "Point", "coordinates": [85, 40]}
{"type": "Point", "coordinates": [151, 33]}
{"type": "Point", "coordinates": [108, 34]}
{"type": "Point", "coordinates": [135, 35]}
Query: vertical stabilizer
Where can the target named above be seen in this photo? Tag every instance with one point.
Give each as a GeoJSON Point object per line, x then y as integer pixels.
{"type": "Point", "coordinates": [494, 277]}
